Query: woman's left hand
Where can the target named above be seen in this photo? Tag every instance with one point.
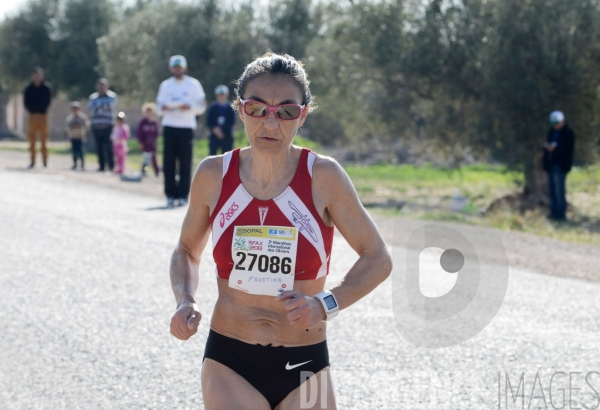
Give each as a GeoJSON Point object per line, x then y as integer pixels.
{"type": "Point", "coordinates": [304, 312]}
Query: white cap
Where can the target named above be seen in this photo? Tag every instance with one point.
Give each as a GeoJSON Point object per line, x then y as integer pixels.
{"type": "Point", "coordinates": [178, 60]}
{"type": "Point", "coordinates": [221, 89]}
{"type": "Point", "coordinates": [556, 117]}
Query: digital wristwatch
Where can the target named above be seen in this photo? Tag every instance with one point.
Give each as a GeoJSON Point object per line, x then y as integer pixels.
{"type": "Point", "coordinates": [330, 304]}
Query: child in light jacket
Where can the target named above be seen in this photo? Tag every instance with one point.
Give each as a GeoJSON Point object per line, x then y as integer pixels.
{"type": "Point", "coordinates": [147, 133]}
{"type": "Point", "coordinates": [76, 128]}
{"type": "Point", "coordinates": [120, 135]}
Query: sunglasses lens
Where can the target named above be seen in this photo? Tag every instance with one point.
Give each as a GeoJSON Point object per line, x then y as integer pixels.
{"type": "Point", "coordinates": [288, 112]}
{"type": "Point", "coordinates": [256, 109]}
{"type": "Point", "coordinates": [284, 112]}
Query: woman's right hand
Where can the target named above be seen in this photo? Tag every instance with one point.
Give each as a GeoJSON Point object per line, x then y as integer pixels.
{"type": "Point", "coordinates": [195, 233]}
{"type": "Point", "coordinates": [185, 321]}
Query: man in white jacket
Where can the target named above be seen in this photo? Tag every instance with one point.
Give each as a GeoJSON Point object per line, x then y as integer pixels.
{"type": "Point", "coordinates": [180, 99]}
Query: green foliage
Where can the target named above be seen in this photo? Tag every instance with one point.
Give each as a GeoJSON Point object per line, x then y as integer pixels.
{"type": "Point", "coordinates": [26, 40]}
{"type": "Point", "coordinates": [292, 25]}
{"type": "Point", "coordinates": [217, 43]}
{"type": "Point", "coordinates": [83, 23]}
{"type": "Point", "coordinates": [129, 55]}
{"type": "Point", "coordinates": [482, 74]}
{"type": "Point", "coordinates": [344, 81]}
{"type": "Point", "coordinates": [60, 36]}
{"type": "Point", "coordinates": [422, 174]}
{"type": "Point", "coordinates": [542, 56]}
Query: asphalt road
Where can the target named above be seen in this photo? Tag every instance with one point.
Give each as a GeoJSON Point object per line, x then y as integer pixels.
{"type": "Point", "coordinates": [85, 305]}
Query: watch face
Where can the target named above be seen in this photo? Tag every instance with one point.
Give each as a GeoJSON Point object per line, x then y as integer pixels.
{"type": "Point", "coordinates": [330, 302]}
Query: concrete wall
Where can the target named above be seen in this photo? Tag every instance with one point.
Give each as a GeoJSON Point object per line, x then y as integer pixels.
{"type": "Point", "coordinates": [15, 114]}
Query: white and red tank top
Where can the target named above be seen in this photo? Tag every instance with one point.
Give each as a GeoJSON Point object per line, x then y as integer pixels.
{"type": "Point", "coordinates": [293, 208]}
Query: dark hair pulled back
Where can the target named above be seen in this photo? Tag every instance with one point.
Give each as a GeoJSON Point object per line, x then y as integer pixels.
{"type": "Point", "coordinates": [274, 64]}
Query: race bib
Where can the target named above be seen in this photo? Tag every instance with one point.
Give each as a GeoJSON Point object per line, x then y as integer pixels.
{"type": "Point", "coordinates": [264, 259]}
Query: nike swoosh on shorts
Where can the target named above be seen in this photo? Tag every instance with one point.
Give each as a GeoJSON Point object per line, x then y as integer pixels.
{"type": "Point", "coordinates": [288, 367]}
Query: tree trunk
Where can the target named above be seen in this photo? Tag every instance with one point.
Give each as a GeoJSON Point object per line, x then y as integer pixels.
{"type": "Point", "coordinates": [535, 192]}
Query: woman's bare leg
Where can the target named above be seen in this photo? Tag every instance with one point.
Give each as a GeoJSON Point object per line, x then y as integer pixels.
{"type": "Point", "coordinates": [224, 389]}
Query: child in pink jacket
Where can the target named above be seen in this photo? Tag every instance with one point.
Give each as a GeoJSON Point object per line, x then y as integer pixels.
{"type": "Point", "coordinates": [120, 135]}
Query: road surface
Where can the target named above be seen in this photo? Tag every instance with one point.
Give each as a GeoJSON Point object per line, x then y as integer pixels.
{"type": "Point", "coordinates": [85, 305]}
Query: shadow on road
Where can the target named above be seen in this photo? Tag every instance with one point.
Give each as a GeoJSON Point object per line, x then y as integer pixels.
{"type": "Point", "coordinates": [162, 208]}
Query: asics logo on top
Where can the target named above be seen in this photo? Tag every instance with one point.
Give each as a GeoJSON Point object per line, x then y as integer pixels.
{"type": "Point", "coordinates": [303, 222]}
{"type": "Point", "coordinates": [227, 215]}
{"type": "Point", "coordinates": [288, 367]}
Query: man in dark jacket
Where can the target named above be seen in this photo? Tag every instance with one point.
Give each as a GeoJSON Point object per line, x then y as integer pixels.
{"type": "Point", "coordinates": [37, 97]}
{"type": "Point", "coordinates": [558, 159]}
{"type": "Point", "coordinates": [220, 121]}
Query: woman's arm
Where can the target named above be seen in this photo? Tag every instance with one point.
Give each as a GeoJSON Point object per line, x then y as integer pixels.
{"type": "Point", "coordinates": [354, 223]}
{"type": "Point", "coordinates": [333, 189]}
{"type": "Point", "coordinates": [195, 232]}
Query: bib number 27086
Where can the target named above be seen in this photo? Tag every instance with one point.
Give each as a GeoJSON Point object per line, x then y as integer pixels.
{"type": "Point", "coordinates": [264, 259]}
{"type": "Point", "coordinates": [274, 264]}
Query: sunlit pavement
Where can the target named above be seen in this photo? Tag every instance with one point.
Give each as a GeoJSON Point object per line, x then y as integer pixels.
{"type": "Point", "coordinates": [85, 304]}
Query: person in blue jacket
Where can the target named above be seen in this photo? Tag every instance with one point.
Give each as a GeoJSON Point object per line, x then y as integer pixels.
{"type": "Point", "coordinates": [220, 121]}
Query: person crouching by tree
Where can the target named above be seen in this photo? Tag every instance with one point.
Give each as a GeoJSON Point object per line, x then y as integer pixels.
{"type": "Point", "coordinates": [76, 127]}
{"type": "Point", "coordinates": [119, 136]}
{"type": "Point", "coordinates": [147, 134]}
{"type": "Point", "coordinates": [558, 159]}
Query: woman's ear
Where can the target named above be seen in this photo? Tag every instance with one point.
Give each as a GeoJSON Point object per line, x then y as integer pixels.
{"type": "Point", "coordinates": [240, 108]}
{"type": "Point", "coordinates": [304, 115]}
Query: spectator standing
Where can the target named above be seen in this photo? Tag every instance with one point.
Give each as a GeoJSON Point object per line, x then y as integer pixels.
{"type": "Point", "coordinates": [119, 136]}
{"type": "Point", "coordinates": [180, 99]}
{"type": "Point", "coordinates": [103, 109]}
{"type": "Point", "coordinates": [220, 121]}
{"type": "Point", "coordinates": [37, 98]}
{"type": "Point", "coordinates": [76, 128]}
{"type": "Point", "coordinates": [558, 159]}
{"type": "Point", "coordinates": [147, 134]}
